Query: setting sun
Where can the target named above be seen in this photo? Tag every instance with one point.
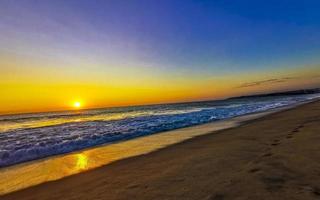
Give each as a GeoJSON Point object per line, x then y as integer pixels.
{"type": "Point", "coordinates": [77, 104]}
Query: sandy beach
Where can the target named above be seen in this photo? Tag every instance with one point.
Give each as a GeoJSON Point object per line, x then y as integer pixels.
{"type": "Point", "coordinates": [274, 157]}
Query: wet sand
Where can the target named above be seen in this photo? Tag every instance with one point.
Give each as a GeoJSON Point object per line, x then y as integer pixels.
{"type": "Point", "coordinates": [274, 157]}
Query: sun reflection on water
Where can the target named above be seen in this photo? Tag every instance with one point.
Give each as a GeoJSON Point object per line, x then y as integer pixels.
{"type": "Point", "coordinates": [53, 168]}
{"type": "Point", "coordinates": [82, 161]}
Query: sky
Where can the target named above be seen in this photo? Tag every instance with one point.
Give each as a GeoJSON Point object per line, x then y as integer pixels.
{"type": "Point", "coordinates": [117, 53]}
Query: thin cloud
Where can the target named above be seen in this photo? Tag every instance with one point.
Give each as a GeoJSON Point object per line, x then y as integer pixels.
{"type": "Point", "coordinates": [264, 82]}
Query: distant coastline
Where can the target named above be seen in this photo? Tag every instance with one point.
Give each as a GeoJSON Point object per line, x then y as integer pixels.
{"type": "Point", "coordinates": [274, 94]}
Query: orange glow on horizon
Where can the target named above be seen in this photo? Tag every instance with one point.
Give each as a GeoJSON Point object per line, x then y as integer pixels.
{"type": "Point", "coordinates": [26, 94]}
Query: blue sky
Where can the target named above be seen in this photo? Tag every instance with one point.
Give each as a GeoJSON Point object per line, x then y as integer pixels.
{"type": "Point", "coordinates": [142, 41]}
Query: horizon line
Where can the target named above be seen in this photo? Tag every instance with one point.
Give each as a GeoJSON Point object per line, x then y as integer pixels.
{"type": "Point", "coordinates": [151, 104]}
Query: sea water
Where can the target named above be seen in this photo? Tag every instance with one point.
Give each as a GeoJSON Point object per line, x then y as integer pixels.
{"type": "Point", "coordinates": [32, 136]}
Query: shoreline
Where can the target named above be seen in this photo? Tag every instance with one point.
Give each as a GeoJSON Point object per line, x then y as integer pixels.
{"type": "Point", "coordinates": [66, 136]}
{"type": "Point", "coordinates": [84, 164]}
{"type": "Point", "coordinates": [38, 156]}
{"type": "Point", "coordinates": [242, 118]}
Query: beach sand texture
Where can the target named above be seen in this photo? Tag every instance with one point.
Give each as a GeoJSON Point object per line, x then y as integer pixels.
{"type": "Point", "coordinates": [274, 157]}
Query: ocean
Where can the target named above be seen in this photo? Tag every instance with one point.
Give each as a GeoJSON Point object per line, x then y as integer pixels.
{"type": "Point", "coordinates": [28, 137]}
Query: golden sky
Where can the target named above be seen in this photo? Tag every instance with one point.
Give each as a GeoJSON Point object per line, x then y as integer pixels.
{"type": "Point", "coordinates": [23, 90]}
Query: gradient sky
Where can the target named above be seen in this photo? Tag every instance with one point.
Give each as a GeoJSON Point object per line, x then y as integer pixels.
{"type": "Point", "coordinates": [116, 53]}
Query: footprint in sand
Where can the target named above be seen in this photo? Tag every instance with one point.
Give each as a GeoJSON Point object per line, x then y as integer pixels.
{"type": "Point", "coordinates": [267, 155]}
{"type": "Point", "coordinates": [254, 170]}
{"type": "Point", "coordinates": [297, 129]}
{"type": "Point", "coordinates": [294, 131]}
{"type": "Point", "coordinates": [313, 190]}
{"type": "Point", "coordinates": [276, 142]}
{"type": "Point", "coordinates": [316, 191]}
